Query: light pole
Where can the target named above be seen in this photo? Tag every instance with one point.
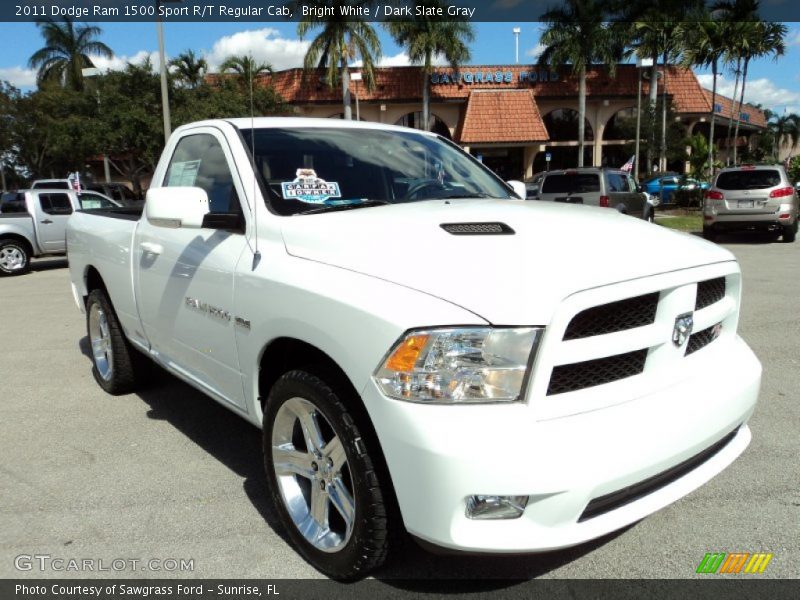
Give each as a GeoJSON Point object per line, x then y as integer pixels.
{"type": "Point", "coordinates": [89, 73]}
{"type": "Point", "coordinates": [163, 60]}
{"type": "Point", "coordinates": [356, 77]}
{"type": "Point", "coordinates": [640, 63]}
{"type": "Point", "coordinates": [516, 31]}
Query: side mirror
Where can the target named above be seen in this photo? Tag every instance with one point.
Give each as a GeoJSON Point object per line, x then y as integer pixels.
{"type": "Point", "coordinates": [518, 187]}
{"type": "Point", "coordinates": [176, 207]}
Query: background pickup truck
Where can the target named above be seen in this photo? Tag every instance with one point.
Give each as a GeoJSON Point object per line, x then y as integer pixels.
{"type": "Point", "coordinates": [33, 223]}
{"type": "Point", "coordinates": [424, 350]}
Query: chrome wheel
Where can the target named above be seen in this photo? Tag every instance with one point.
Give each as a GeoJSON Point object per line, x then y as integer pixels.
{"type": "Point", "coordinates": [12, 258]}
{"type": "Point", "coordinates": [313, 474]}
{"type": "Point", "coordinates": [100, 338]}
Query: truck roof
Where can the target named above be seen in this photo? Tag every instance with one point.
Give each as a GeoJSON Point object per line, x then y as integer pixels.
{"type": "Point", "coordinates": [304, 122]}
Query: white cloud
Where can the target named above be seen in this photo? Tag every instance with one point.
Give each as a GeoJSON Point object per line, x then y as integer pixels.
{"type": "Point", "coordinates": [264, 45]}
{"type": "Point", "coordinates": [536, 51]}
{"type": "Point", "coordinates": [793, 38]}
{"type": "Point", "coordinates": [757, 91]}
{"type": "Point", "coordinates": [400, 60]}
{"type": "Point", "coordinates": [18, 76]}
{"type": "Point", "coordinates": [118, 63]}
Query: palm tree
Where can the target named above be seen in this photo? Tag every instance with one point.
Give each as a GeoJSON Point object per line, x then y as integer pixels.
{"type": "Point", "coordinates": [705, 46]}
{"type": "Point", "coordinates": [425, 38]}
{"type": "Point", "coordinates": [655, 31]}
{"type": "Point", "coordinates": [575, 33]}
{"type": "Point", "coordinates": [245, 67]}
{"type": "Point", "coordinates": [66, 52]}
{"type": "Point", "coordinates": [784, 129]}
{"type": "Point", "coordinates": [739, 14]}
{"type": "Point", "coordinates": [189, 69]}
{"type": "Point", "coordinates": [760, 39]}
{"type": "Point", "coordinates": [343, 39]}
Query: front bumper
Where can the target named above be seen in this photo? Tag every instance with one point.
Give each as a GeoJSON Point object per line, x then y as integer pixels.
{"type": "Point", "coordinates": [440, 455]}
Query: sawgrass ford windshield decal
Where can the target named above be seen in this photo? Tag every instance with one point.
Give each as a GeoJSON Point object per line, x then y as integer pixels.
{"type": "Point", "coordinates": [307, 187]}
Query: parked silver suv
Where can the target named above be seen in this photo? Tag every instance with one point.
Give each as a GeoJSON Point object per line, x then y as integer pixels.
{"type": "Point", "coordinates": [596, 186]}
{"type": "Point", "coordinates": [751, 198]}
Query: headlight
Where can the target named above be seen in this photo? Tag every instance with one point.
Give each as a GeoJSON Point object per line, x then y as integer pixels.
{"type": "Point", "coordinates": [459, 365]}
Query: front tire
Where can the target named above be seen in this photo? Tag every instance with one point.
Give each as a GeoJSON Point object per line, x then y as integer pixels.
{"type": "Point", "coordinates": [114, 361]}
{"type": "Point", "coordinates": [15, 258]}
{"type": "Point", "coordinates": [322, 478]}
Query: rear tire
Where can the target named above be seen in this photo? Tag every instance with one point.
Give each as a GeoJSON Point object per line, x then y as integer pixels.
{"type": "Point", "coordinates": [323, 482]}
{"type": "Point", "coordinates": [115, 363]}
{"type": "Point", "coordinates": [790, 233]}
{"type": "Point", "coordinates": [709, 234]}
{"type": "Point", "coordinates": [15, 257]}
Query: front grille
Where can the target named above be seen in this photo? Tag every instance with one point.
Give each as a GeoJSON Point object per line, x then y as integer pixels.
{"type": "Point", "coordinates": [477, 228]}
{"type": "Point", "coordinates": [613, 317]}
{"type": "Point", "coordinates": [577, 376]}
{"type": "Point", "coordinates": [709, 292]}
{"type": "Point", "coordinates": [703, 338]}
{"type": "Point", "coordinates": [618, 499]}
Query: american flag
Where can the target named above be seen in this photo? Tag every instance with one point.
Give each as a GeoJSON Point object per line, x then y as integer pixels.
{"type": "Point", "coordinates": [628, 166]}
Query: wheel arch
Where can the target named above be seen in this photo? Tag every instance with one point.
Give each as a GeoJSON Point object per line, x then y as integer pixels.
{"type": "Point", "coordinates": [20, 239]}
{"type": "Point", "coordinates": [92, 280]}
{"type": "Point", "coordinates": [285, 354]}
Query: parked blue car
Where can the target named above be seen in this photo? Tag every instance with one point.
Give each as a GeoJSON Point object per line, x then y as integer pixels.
{"type": "Point", "coordinates": [665, 185]}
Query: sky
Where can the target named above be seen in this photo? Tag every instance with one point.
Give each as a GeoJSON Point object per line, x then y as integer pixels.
{"type": "Point", "coordinates": [775, 84]}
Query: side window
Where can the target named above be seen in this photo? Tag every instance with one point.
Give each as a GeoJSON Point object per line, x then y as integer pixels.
{"type": "Point", "coordinates": [12, 202]}
{"type": "Point", "coordinates": [631, 183]}
{"type": "Point", "coordinates": [91, 201]}
{"type": "Point", "coordinates": [616, 183]}
{"type": "Point", "coordinates": [55, 204]}
{"type": "Point", "coordinates": [199, 161]}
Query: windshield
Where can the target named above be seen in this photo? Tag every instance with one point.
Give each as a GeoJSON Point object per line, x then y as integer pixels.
{"type": "Point", "coordinates": [571, 183]}
{"type": "Point", "coordinates": [313, 169]}
{"type": "Point", "coordinates": [748, 180]}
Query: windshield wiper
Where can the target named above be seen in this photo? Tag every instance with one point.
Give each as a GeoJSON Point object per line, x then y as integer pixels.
{"type": "Point", "coordinates": [465, 195]}
{"type": "Point", "coordinates": [338, 207]}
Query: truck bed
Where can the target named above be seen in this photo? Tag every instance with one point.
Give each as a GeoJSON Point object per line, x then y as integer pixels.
{"type": "Point", "coordinates": [102, 238]}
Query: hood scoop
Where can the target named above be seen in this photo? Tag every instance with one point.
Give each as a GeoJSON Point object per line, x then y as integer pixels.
{"type": "Point", "coordinates": [477, 228]}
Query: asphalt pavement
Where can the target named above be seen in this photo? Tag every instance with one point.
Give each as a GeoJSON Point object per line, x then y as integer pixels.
{"type": "Point", "coordinates": [168, 474]}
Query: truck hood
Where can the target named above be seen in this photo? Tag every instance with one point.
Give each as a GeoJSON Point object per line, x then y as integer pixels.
{"type": "Point", "coordinates": [555, 251]}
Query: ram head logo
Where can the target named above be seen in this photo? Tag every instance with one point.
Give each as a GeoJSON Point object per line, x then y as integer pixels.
{"type": "Point", "coordinates": [683, 329]}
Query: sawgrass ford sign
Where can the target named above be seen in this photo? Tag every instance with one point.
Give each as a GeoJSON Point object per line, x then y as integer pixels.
{"type": "Point", "coordinates": [488, 76]}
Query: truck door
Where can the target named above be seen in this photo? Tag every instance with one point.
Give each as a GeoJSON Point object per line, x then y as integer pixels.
{"type": "Point", "coordinates": [185, 283]}
{"type": "Point", "coordinates": [52, 211]}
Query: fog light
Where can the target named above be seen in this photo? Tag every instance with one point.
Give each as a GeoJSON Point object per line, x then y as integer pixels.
{"type": "Point", "coordinates": [496, 507]}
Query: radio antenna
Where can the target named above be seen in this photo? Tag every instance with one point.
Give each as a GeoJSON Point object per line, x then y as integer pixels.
{"type": "Point", "coordinates": [256, 252]}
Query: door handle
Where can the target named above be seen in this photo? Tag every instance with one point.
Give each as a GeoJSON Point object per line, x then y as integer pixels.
{"type": "Point", "coordinates": [151, 248]}
{"type": "Point", "coordinates": [47, 222]}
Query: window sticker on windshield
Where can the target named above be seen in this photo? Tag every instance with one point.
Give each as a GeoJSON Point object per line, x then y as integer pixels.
{"type": "Point", "coordinates": [183, 174]}
{"type": "Point", "coordinates": [309, 188]}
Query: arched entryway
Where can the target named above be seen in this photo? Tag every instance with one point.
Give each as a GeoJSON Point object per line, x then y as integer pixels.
{"type": "Point", "coordinates": [414, 121]}
{"type": "Point", "coordinates": [562, 128]}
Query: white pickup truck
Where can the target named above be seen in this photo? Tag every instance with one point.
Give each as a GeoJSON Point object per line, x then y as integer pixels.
{"type": "Point", "coordinates": [424, 351]}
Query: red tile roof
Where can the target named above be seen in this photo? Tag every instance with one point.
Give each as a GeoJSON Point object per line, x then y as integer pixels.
{"type": "Point", "coordinates": [501, 116]}
{"type": "Point", "coordinates": [756, 117]}
{"type": "Point", "coordinates": [404, 84]}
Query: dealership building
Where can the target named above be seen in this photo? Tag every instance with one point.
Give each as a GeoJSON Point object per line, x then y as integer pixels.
{"type": "Point", "coordinates": [515, 117]}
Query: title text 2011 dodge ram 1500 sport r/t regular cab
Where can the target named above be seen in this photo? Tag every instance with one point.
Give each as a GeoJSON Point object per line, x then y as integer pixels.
{"type": "Point", "coordinates": [422, 349]}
